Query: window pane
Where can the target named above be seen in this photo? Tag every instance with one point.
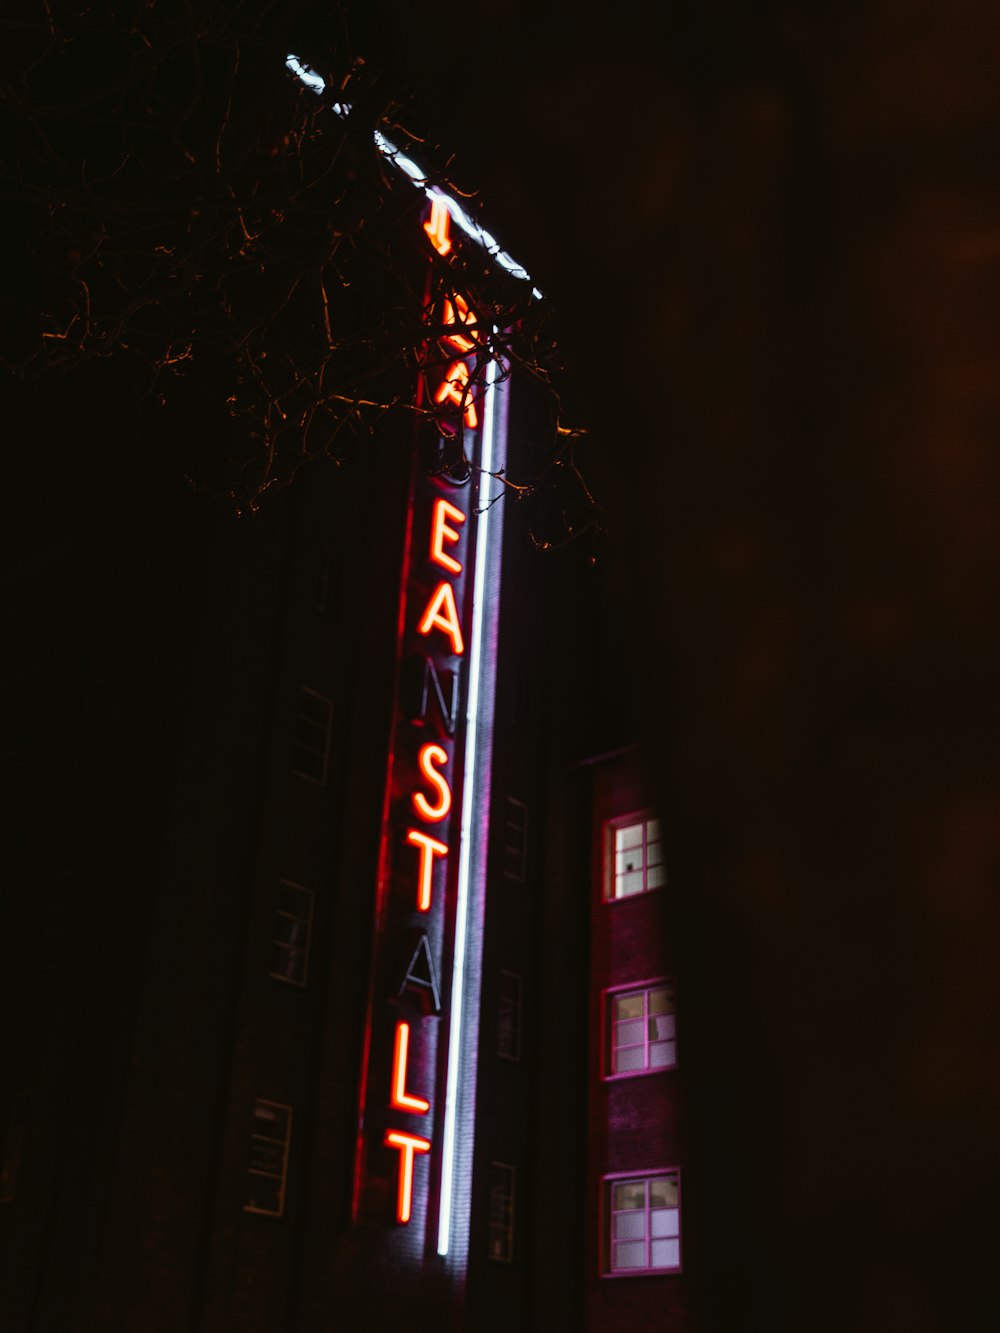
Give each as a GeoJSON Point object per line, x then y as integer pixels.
{"type": "Point", "coordinates": [662, 1027]}
{"type": "Point", "coordinates": [663, 1192]}
{"type": "Point", "coordinates": [665, 1254]}
{"type": "Point", "coordinates": [629, 883]}
{"type": "Point", "coordinates": [664, 1222]}
{"type": "Point", "coordinates": [628, 1006]}
{"type": "Point", "coordinates": [661, 1000]}
{"type": "Point", "coordinates": [629, 836]}
{"type": "Point", "coordinates": [631, 1195]}
{"type": "Point", "coordinates": [656, 877]}
{"type": "Point", "coordinates": [632, 1057]}
{"type": "Point", "coordinates": [630, 1226]}
{"type": "Point", "coordinates": [653, 833]}
{"type": "Point", "coordinates": [632, 1254]}
{"type": "Point", "coordinates": [629, 1034]}
{"type": "Point", "coordinates": [662, 1054]}
{"type": "Point", "coordinates": [631, 860]}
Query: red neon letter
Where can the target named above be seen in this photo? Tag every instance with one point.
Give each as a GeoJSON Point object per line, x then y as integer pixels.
{"type": "Point", "coordinates": [429, 756]}
{"type": "Point", "coordinates": [401, 1099]}
{"type": "Point", "coordinates": [407, 1144]}
{"type": "Point", "coordinates": [438, 226]}
{"type": "Point", "coordinates": [457, 312]}
{"type": "Point", "coordinates": [429, 848]}
{"type": "Point", "coordinates": [454, 388]}
{"type": "Point", "coordinates": [441, 532]}
{"type": "Point", "coordinates": [443, 598]}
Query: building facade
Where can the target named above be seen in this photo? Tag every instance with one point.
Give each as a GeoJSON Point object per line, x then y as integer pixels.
{"type": "Point", "coordinates": [301, 1025]}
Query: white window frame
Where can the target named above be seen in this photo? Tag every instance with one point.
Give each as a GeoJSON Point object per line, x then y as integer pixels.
{"type": "Point", "coordinates": [327, 727]}
{"type": "Point", "coordinates": [256, 1140]}
{"type": "Point", "coordinates": [669, 1227]}
{"type": "Point", "coordinates": [668, 1034]}
{"type": "Point", "coordinates": [502, 1229]}
{"type": "Point", "coordinates": [290, 948]}
{"type": "Point", "coordinates": [615, 858]}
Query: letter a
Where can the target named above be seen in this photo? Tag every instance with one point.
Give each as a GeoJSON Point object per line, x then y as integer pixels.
{"type": "Point", "coordinates": [442, 614]}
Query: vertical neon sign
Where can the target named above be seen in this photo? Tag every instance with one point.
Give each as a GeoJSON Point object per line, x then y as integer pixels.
{"type": "Point", "coordinates": [417, 1096]}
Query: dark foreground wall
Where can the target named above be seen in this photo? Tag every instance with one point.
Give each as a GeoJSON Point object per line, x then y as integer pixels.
{"type": "Point", "coordinates": [775, 237]}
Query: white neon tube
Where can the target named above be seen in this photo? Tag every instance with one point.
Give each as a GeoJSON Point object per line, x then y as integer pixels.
{"type": "Point", "coordinates": [317, 84]}
{"type": "Point", "coordinates": [469, 808]}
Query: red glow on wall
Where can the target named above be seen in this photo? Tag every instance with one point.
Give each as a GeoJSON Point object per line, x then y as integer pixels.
{"type": "Point", "coordinates": [408, 1144]}
{"type": "Point", "coordinates": [442, 531]}
{"type": "Point", "coordinates": [430, 758]}
{"type": "Point", "coordinates": [438, 226]}
{"type": "Point", "coordinates": [454, 388]}
{"type": "Point", "coordinates": [429, 848]}
{"type": "Point", "coordinates": [401, 1099]}
{"type": "Point", "coordinates": [442, 614]}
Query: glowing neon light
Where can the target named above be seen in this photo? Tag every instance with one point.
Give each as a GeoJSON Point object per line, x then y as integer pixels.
{"type": "Point", "coordinates": [441, 532]}
{"type": "Point", "coordinates": [419, 178]}
{"type": "Point", "coordinates": [470, 807]}
{"type": "Point", "coordinates": [429, 848]}
{"type": "Point", "coordinates": [408, 1144]}
{"type": "Point", "coordinates": [458, 313]}
{"type": "Point", "coordinates": [438, 227]}
{"type": "Point", "coordinates": [430, 755]}
{"type": "Point", "coordinates": [443, 600]}
{"type": "Point", "coordinates": [454, 388]}
{"type": "Point", "coordinates": [401, 1099]}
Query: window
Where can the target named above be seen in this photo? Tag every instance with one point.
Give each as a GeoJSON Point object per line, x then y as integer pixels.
{"type": "Point", "coordinates": [643, 1224]}
{"type": "Point", "coordinates": [515, 840]}
{"type": "Point", "coordinates": [634, 857]}
{"type": "Point", "coordinates": [501, 1212]}
{"type": "Point", "coordinates": [311, 750]}
{"type": "Point", "coordinates": [509, 1016]}
{"type": "Point", "coordinates": [268, 1169]}
{"type": "Point", "coordinates": [292, 929]}
{"type": "Point", "coordinates": [641, 1030]}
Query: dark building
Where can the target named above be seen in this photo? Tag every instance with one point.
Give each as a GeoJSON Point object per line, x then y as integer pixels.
{"type": "Point", "coordinates": [300, 999]}
{"type": "Point", "coordinates": [636, 1154]}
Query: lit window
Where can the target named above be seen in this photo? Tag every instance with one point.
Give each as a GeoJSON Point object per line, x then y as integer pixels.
{"type": "Point", "coordinates": [311, 750]}
{"type": "Point", "coordinates": [501, 1212]}
{"type": "Point", "coordinates": [292, 929]}
{"type": "Point", "coordinates": [509, 1016]}
{"type": "Point", "coordinates": [634, 857]}
{"type": "Point", "coordinates": [515, 840]}
{"type": "Point", "coordinates": [643, 1224]}
{"type": "Point", "coordinates": [641, 1033]}
{"type": "Point", "coordinates": [268, 1169]}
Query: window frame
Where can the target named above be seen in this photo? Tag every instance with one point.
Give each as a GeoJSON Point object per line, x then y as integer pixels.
{"type": "Point", "coordinates": [608, 876]}
{"type": "Point", "coordinates": [518, 1012]}
{"type": "Point", "coordinates": [286, 1152]}
{"type": "Point", "coordinates": [507, 1258]}
{"type": "Point", "coordinates": [608, 996]}
{"type": "Point", "coordinates": [298, 744]}
{"type": "Point", "coordinates": [607, 1184]}
{"type": "Point", "coordinates": [518, 874]}
{"type": "Point", "coordinates": [306, 947]}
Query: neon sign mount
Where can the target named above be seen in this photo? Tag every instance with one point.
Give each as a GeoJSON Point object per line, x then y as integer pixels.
{"type": "Point", "coordinates": [420, 178]}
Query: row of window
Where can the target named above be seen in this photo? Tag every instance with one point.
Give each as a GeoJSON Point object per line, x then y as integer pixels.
{"type": "Point", "coordinates": [641, 1212]}
{"type": "Point", "coordinates": [640, 1031]}
{"type": "Point", "coordinates": [311, 760]}
{"type": "Point", "coordinates": [634, 861]}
